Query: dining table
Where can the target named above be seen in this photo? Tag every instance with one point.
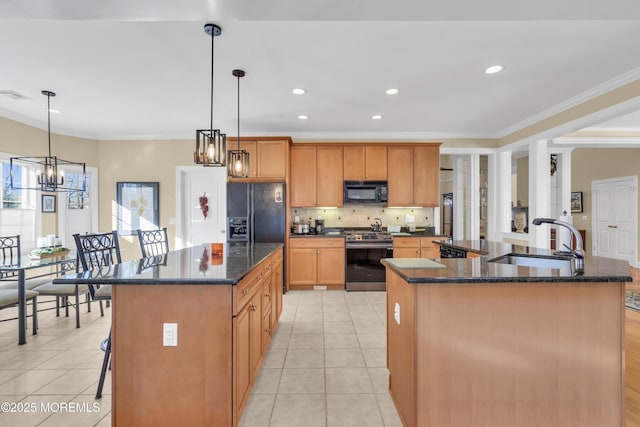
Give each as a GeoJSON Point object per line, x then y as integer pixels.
{"type": "Point", "coordinates": [57, 263]}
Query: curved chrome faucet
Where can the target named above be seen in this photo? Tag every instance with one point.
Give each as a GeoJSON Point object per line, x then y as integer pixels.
{"type": "Point", "coordinates": [578, 252]}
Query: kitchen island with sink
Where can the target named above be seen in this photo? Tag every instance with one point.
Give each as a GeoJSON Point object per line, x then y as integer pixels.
{"type": "Point", "coordinates": [189, 332]}
{"type": "Point", "coordinates": [490, 341]}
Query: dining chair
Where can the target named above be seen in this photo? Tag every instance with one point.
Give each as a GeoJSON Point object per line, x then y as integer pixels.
{"type": "Point", "coordinates": [98, 252]}
{"type": "Point", "coordinates": [153, 242]}
{"type": "Point", "coordinates": [10, 256]}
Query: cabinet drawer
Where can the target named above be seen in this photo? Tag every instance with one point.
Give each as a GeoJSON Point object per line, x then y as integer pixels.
{"type": "Point", "coordinates": [406, 242]}
{"type": "Point", "coordinates": [316, 242]}
{"type": "Point", "coordinates": [247, 288]}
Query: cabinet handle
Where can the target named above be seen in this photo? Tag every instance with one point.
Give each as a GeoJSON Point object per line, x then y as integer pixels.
{"type": "Point", "coordinates": [267, 295]}
{"type": "Point", "coordinates": [330, 242]}
{"type": "Point", "coordinates": [245, 291]}
{"type": "Point", "coordinates": [612, 226]}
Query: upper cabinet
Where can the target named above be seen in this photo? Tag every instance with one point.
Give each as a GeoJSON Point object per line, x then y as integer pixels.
{"type": "Point", "coordinates": [413, 175]}
{"type": "Point", "coordinates": [365, 163]}
{"type": "Point", "coordinates": [267, 157]}
{"type": "Point", "coordinates": [316, 175]}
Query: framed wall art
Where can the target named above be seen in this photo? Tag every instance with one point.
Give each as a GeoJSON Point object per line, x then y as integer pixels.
{"type": "Point", "coordinates": [138, 207]}
{"type": "Point", "coordinates": [48, 203]}
{"type": "Point", "coordinates": [576, 201]}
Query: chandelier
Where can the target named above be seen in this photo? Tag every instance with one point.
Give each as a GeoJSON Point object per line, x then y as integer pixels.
{"type": "Point", "coordinates": [50, 176]}
{"type": "Point", "coordinates": [211, 145]}
{"type": "Point", "coordinates": [238, 159]}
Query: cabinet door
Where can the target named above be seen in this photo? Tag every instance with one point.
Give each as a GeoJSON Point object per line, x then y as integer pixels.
{"type": "Point", "coordinates": [376, 163]}
{"type": "Point", "coordinates": [303, 269]}
{"type": "Point", "coordinates": [331, 266]}
{"type": "Point", "coordinates": [303, 176]}
{"type": "Point", "coordinates": [271, 159]}
{"type": "Point", "coordinates": [330, 181]}
{"type": "Point", "coordinates": [426, 176]}
{"type": "Point", "coordinates": [428, 249]}
{"type": "Point", "coordinates": [354, 163]}
{"type": "Point", "coordinates": [267, 299]}
{"type": "Point", "coordinates": [406, 252]}
{"type": "Point", "coordinates": [276, 293]}
{"type": "Point", "coordinates": [255, 346]}
{"type": "Point", "coordinates": [242, 363]}
{"type": "Point", "coordinates": [400, 176]}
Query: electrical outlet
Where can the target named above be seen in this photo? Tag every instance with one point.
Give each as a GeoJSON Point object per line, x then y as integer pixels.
{"type": "Point", "coordinates": [584, 217]}
{"type": "Point", "coordinates": [170, 334]}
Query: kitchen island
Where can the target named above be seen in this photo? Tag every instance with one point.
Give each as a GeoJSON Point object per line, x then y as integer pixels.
{"type": "Point", "coordinates": [189, 331]}
{"type": "Point", "coordinates": [477, 342]}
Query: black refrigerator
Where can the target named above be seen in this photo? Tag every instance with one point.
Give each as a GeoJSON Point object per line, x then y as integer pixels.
{"type": "Point", "coordinates": [255, 212]}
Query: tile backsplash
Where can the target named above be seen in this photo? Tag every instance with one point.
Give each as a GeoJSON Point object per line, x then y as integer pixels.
{"type": "Point", "coordinates": [363, 216]}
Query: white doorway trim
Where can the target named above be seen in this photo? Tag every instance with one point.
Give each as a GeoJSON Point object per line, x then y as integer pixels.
{"type": "Point", "coordinates": [181, 171]}
{"type": "Point", "coordinates": [633, 182]}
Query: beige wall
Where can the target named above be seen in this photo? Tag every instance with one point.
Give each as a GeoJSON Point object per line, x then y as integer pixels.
{"type": "Point", "coordinates": [593, 164]}
{"type": "Point", "coordinates": [147, 161]}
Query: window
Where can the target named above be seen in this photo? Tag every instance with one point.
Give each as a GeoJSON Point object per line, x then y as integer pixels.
{"type": "Point", "coordinates": [11, 199]}
{"type": "Point", "coordinates": [76, 197]}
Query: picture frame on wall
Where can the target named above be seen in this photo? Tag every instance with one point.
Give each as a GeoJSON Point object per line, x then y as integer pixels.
{"type": "Point", "coordinates": [48, 203]}
{"type": "Point", "coordinates": [137, 207]}
{"type": "Point", "coordinates": [576, 201]}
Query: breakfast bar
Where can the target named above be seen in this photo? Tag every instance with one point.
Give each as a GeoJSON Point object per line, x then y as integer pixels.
{"type": "Point", "coordinates": [189, 332]}
{"type": "Point", "coordinates": [513, 337]}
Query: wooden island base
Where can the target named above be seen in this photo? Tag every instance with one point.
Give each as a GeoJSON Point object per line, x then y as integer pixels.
{"type": "Point", "coordinates": [506, 354]}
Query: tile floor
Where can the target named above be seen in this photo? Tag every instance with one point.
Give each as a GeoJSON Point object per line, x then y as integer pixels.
{"type": "Point", "coordinates": [325, 367]}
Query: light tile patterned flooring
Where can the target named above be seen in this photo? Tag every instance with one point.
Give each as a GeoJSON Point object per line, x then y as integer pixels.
{"type": "Point", "coordinates": [325, 367]}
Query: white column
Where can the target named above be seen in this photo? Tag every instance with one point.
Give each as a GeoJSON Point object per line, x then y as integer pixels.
{"type": "Point", "coordinates": [564, 169]}
{"type": "Point", "coordinates": [539, 170]}
{"type": "Point", "coordinates": [499, 220]}
{"type": "Point", "coordinates": [472, 229]}
{"type": "Point", "coordinates": [458, 198]}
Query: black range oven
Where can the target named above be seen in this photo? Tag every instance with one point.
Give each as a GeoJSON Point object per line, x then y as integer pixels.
{"type": "Point", "coordinates": [364, 272]}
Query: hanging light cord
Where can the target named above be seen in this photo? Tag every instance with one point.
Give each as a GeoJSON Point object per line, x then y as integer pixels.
{"type": "Point", "coordinates": [49, 120]}
{"type": "Point", "coordinates": [238, 112]}
{"type": "Point", "coordinates": [212, 38]}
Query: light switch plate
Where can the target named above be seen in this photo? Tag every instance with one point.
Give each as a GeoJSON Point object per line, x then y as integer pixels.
{"type": "Point", "coordinates": [170, 334]}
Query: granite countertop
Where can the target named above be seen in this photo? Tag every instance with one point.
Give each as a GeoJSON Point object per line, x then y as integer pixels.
{"type": "Point", "coordinates": [479, 270]}
{"type": "Point", "coordinates": [184, 266]}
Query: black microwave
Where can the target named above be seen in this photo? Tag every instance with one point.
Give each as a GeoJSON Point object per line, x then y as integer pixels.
{"type": "Point", "coordinates": [365, 192]}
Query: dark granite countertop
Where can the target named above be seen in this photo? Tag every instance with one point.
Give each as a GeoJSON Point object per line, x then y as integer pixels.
{"type": "Point", "coordinates": [479, 270]}
{"type": "Point", "coordinates": [184, 266]}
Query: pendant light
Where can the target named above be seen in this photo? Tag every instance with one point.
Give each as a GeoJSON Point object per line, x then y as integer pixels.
{"type": "Point", "coordinates": [211, 145]}
{"type": "Point", "coordinates": [50, 177]}
{"type": "Point", "coordinates": [238, 159]}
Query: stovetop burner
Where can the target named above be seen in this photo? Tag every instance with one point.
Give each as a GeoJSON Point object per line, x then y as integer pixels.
{"type": "Point", "coordinates": [360, 236]}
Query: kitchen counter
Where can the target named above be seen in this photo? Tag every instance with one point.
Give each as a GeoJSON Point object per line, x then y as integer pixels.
{"type": "Point", "coordinates": [189, 266]}
{"type": "Point", "coordinates": [479, 270]}
{"type": "Point", "coordinates": [189, 332]}
{"type": "Point", "coordinates": [472, 342]}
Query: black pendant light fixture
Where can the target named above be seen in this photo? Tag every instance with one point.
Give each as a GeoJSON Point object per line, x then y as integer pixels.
{"type": "Point", "coordinates": [211, 145]}
{"type": "Point", "coordinates": [238, 159]}
{"type": "Point", "coordinates": [50, 177]}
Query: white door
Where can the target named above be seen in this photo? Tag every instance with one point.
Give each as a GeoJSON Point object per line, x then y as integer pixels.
{"type": "Point", "coordinates": [78, 210]}
{"type": "Point", "coordinates": [615, 209]}
{"type": "Point", "coordinates": [201, 210]}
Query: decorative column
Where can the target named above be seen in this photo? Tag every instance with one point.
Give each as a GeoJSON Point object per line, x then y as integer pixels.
{"type": "Point", "coordinates": [472, 229]}
{"type": "Point", "coordinates": [459, 198]}
{"type": "Point", "coordinates": [539, 172]}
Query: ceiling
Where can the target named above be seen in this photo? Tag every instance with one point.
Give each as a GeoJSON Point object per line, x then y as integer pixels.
{"type": "Point", "coordinates": [138, 70]}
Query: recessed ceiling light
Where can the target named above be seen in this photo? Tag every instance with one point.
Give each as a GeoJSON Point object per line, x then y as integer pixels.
{"type": "Point", "coordinates": [303, 117]}
{"type": "Point", "coordinates": [494, 69]}
{"type": "Point", "coordinates": [376, 117]}
{"type": "Point", "coordinates": [299, 91]}
{"type": "Point", "coordinates": [54, 111]}
{"type": "Point", "coordinates": [391, 91]}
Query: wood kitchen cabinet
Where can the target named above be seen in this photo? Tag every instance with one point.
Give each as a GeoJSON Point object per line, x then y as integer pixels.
{"type": "Point", "coordinates": [365, 163]}
{"type": "Point", "coordinates": [413, 175]}
{"type": "Point", "coordinates": [316, 261]}
{"type": "Point", "coordinates": [416, 247]}
{"type": "Point", "coordinates": [316, 175]}
{"type": "Point", "coordinates": [267, 157]}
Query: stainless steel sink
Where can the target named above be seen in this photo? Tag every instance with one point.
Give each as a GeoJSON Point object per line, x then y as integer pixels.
{"type": "Point", "coordinates": [535, 261]}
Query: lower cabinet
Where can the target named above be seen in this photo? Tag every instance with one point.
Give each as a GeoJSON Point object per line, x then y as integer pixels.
{"type": "Point", "coordinates": [316, 261]}
{"type": "Point", "coordinates": [416, 247]}
{"type": "Point", "coordinates": [254, 326]}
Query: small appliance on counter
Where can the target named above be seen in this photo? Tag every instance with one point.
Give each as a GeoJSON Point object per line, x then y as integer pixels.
{"type": "Point", "coordinates": [319, 226]}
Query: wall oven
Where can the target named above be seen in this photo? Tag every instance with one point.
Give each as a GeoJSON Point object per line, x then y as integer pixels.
{"type": "Point", "coordinates": [364, 272]}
